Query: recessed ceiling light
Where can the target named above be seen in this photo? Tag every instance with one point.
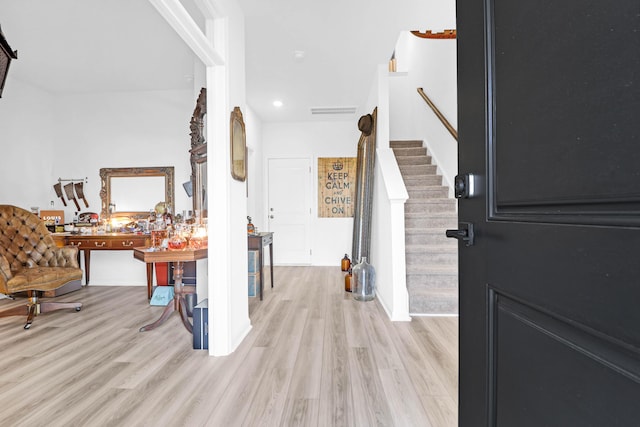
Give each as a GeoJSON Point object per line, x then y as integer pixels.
{"type": "Point", "coordinates": [277, 103]}
{"type": "Point", "coordinates": [298, 55]}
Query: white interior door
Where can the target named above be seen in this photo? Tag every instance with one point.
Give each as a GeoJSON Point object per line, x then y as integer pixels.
{"type": "Point", "coordinates": [289, 210]}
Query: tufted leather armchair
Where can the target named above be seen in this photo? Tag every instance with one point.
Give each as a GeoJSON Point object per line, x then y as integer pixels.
{"type": "Point", "coordinates": [31, 262]}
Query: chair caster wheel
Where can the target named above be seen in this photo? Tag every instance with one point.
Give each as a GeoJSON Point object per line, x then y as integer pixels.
{"type": "Point", "coordinates": [78, 308]}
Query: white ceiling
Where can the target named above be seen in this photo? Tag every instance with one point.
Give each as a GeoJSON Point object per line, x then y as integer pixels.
{"type": "Point", "coordinates": [67, 46]}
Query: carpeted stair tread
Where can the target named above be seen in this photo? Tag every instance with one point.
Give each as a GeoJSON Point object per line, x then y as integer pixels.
{"type": "Point", "coordinates": [428, 236]}
{"type": "Point", "coordinates": [409, 151]}
{"type": "Point", "coordinates": [443, 302]}
{"type": "Point", "coordinates": [430, 220]}
{"type": "Point", "coordinates": [428, 269]}
{"type": "Point", "coordinates": [433, 248]}
{"type": "Point", "coordinates": [431, 280]}
{"type": "Point", "coordinates": [434, 256]}
{"type": "Point", "coordinates": [427, 191]}
{"type": "Point", "coordinates": [409, 170]}
{"type": "Point", "coordinates": [428, 179]}
{"type": "Point", "coordinates": [414, 160]}
{"type": "Point", "coordinates": [430, 205]}
{"type": "Point", "coordinates": [405, 144]}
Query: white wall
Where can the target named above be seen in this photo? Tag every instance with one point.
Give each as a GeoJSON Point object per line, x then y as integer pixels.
{"type": "Point", "coordinates": [389, 195]}
{"type": "Point", "coordinates": [72, 136]}
{"type": "Point", "coordinates": [330, 237]}
{"type": "Point", "coordinates": [28, 145]}
{"type": "Point", "coordinates": [47, 137]}
{"type": "Point", "coordinates": [255, 200]}
{"type": "Point", "coordinates": [122, 130]}
{"type": "Point", "coordinates": [236, 306]}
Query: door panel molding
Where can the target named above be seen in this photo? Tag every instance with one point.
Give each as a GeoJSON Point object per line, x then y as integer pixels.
{"type": "Point", "coordinates": [614, 354]}
{"type": "Point", "coordinates": [548, 293]}
{"type": "Point", "coordinates": [563, 350]}
{"type": "Point", "coordinates": [527, 69]}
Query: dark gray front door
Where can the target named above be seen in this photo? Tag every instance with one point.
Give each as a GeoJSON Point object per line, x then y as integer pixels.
{"type": "Point", "coordinates": [549, 123]}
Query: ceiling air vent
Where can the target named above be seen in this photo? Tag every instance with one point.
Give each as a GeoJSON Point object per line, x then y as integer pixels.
{"type": "Point", "coordinates": [333, 110]}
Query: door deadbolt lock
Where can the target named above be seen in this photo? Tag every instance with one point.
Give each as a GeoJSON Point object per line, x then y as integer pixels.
{"type": "Point", "coordinates": [464, 186]}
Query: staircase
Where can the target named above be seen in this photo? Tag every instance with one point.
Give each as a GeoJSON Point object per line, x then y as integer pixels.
{"type": "Point", "coordinates": [431, 258]}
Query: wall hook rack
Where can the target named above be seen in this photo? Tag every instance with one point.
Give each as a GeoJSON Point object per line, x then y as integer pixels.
{"type": "Point", "coordinates": [85, 180]}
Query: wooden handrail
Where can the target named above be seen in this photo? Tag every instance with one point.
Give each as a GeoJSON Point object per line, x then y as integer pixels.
{"type": "Point", "coordinates": [442, 118]}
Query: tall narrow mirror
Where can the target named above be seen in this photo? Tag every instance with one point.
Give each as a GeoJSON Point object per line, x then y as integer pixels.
{"type": "Point", "coordinates": [238, 146]}
{"type": "Point", "coordinates": [199, 154]}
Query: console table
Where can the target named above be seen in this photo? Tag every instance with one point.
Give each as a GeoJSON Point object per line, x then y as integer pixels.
{"type": "Point", "coordinates": [101, 242]}
{"type": "Point", "coordinates": [178, 258]}
{"type": "Point", "coordinates": [257, 242]}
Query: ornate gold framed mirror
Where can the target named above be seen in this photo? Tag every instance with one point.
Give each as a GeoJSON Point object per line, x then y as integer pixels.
{"type": "Point", "coordinates": [132, 192]}
{"type": "Point", "coordinates": [199, 154]}
{"type": "Point", "coordinates": [238, 146]}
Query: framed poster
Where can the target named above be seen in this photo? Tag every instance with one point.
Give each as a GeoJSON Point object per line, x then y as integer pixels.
{"type": "Point", "coordinates": [336, 187]}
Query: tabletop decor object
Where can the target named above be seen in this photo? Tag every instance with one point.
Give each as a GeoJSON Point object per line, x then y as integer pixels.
{"type": "Point", "coordinates": [364, 276]}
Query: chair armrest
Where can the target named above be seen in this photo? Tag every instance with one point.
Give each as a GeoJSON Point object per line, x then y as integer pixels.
{"type": "Point", "coordinates": [67, 256]}
{"type": "Point", "coordinates": [5, 274]}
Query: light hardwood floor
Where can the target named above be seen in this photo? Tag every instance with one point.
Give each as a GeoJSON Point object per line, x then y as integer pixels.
{"type": "Point", "coordinates": [315, 357]}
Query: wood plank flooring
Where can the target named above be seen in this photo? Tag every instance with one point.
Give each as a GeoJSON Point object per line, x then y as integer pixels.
{"type": "Point", "coordinates": [315, 357]}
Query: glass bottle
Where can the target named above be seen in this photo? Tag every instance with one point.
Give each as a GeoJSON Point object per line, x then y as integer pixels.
{"type": "Point", "coordinates": [177, 239]}
{"type": "Point", "coordinates": [158, 233]}
{"type": "Point", "coordinates": [168, 217]}
{"type": "Point", "coordinates": [251, 229]}
{"type": "Point", "coordinates": [348, 279]}
{"type": "Point", "coordinates": [364, 276]}
{"type": "Point", "coordinates": [150, 220]}
{"type": "Point", "coordinates": [345, 264]}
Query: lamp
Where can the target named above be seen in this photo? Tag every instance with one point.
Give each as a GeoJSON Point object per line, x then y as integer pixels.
{"type": "Point", "coordinates": [6, 55]}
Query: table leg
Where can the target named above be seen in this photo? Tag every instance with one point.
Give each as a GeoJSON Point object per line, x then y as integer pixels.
{"type": "Point", "coordinates": [178, 304]}
{"type": "Point", "coordinates": [170, 308]}
{"type": "Point", "coordinates": [87, 264]}
{"type": "Point", "coordinates": [261, 271]}
{"type": "Point", "coordinates": [271, 261]}
{"type": "Point", "coordinates": [149, 280]}
{"type": "Point", "coordinates": [183, 314]}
